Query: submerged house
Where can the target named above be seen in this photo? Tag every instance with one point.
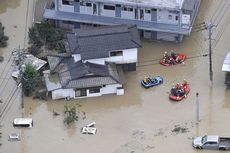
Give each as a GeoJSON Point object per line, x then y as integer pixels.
{"type": "Point", "coordinates": [70, 79]}
{"type": "Point", "coordinates": [94, 62]}
{"type": "Point", "coordinates": [169, 20]}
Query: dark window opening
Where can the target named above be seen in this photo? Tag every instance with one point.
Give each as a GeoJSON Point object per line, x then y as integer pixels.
{"type": "Point", "coordinates": [147, 11]}
{"type": "Point", "coordinates": [130, 9]}
{"type": "Point", "coordinates": [88, 4]}
{"type": "Point", "coordinates": [116, 53]}
{"type": "Point", "coordinates": [21, 125]}
{"type": "Point", "coordinates": [176, 17]}
{"type": "Point", "coordinates": [154, 10]}
{"type": "Point", "coordinates": [109, 7]}
{"type": "Point", "coordinates": [94, 90]}
{"type": "Point", "coordinates": [66, 2]}
{"type": "Point", "coordinates": [124, 8]}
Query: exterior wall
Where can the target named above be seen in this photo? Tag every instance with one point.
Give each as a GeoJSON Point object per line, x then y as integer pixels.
{"type": "Point", "coordinates": [127, 14]}
{"type": "Point", "coordinates": [84, 9]}
{"type": "Point", "coordinates": [147, 14]}
{"type": "Point", "coordinates": [163, 17]}
{"type": "Point", "coordinates": [65, 8]}
{"type": "Point", "coordinates": [110, 89]}
{"type": "Point", "coordinates": [66, 24]}
{"type": "Point", "coordinates": [105, 12]}
{"type": "Point", "coordinates": [167, 36]}
{"type": "Point", "coordinates": [129, 56]}
{"type": "Point", "coordinates": [62, 93]}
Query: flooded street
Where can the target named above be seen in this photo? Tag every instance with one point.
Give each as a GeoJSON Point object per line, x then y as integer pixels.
{"type": "Point", "coordinates": [141, 121]}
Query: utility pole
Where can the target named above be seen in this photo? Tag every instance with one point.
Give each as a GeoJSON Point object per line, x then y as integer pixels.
{"type": "Point", "coordinates": [197, 108]}
{"type": "Point", "coordinates": [210, 26]}
{"type": "Point", "coordinates": [20, 56]}
{"type": "Point", "coordinates": [204, 26]}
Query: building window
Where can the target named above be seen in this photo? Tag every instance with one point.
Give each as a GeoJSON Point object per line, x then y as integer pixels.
{"type": "Point", "coordinates": [67, 2]}
{"type": "Point", "coordinates": [109, 7]}
{"type": "Point", "coordinates": [170, 17]}
{"type": "Point", "coordinates": [173, 11]}
{"type": "Point", "coordinates": [80, 92]}
{"type": "Point", "coordinates": [94, 90]}
{"type": "Point", "coordinates": [147, 11]}
{"type": "Point", "coordinates": [88, 4]}
{"type": "Point", "coordinates": [130, 9]}
{"type": "Point", "coordinates": [176, 18]}
{"type": "Point", "coordinates": [116, 53]}
{"type": "Point", "coordinates": [154, 10]}
{"type": "Point", "coordinates": [124, 8]}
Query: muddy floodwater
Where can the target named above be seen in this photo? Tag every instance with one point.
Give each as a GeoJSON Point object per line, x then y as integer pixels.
{"type": "Point", "coordinates": [142, 120]}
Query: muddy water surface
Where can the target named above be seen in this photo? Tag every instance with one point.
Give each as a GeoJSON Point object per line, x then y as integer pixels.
{"type": "Point", "coordinates": [141, 120]}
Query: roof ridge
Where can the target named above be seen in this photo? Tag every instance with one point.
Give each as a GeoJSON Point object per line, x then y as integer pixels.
{"type": "Point", "coordinates": [95, 35]}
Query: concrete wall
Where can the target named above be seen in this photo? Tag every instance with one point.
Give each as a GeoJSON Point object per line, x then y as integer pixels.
{"type": "Point", "coordinates": [126, 14]}
{"type": "Point", "coordinates": [86, 9]}
{"type": "Point", "coordinates": [163, 17]}
{"type": "Point", "coordinates": [166, 36]}
{"type": "Point", "coordinates": [65, 8]}
{"type": "Point", "coordinates": [110, 89]}
{"type": "Point", "coordinates": [109, 13]}
{"type": "Point", "coordinates": [62, 93]}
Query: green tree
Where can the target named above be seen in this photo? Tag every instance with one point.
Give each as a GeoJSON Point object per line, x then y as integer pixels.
{"type": "Point", "coordinates": [29, 79]}
{"type": "Point", "coordinates": [71, 115]}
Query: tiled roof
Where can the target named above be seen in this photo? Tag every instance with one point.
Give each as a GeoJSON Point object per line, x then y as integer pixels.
{"type": "Point", "coordinates": [82, 75]}
{"type": "Point", "coordinates": [98, 42]}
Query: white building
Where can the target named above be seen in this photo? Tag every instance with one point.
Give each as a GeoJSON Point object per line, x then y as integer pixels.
{"type": "Point", "coordinates": [94, 62]}
{"type": "Point", "coordinates": [156, 19]}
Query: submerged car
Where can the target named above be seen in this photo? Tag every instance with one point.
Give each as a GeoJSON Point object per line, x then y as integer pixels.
{"type": "Point", "coordinates": [151, 81]}
{"type": "Point", "coordinates": [89, 130]}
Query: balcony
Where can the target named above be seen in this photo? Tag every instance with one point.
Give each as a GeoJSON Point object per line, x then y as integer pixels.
{"type": "Point", "coordinates": [102, 20]}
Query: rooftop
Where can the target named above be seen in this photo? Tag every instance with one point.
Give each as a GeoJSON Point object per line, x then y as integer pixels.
{"type": "Point", "coordinates": [98, 42]}
{"type": "Point", "coordinates": [174, 4]}
{"type": "Point", "coordinates": [70, 74]}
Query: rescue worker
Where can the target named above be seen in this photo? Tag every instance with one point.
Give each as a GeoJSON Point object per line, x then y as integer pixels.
{"type": "Point", "coordinates": [174, 91]}
{"type": "Point", "coordinates": [184, 83]}
{"type": "Point", "coordinates": [178, 86]}
{"type": "Point", "coordinates": [177, 59]}
{"type": "Point", "coordinates": [145, 80]}
{"type": "Point", "coordinates": [173, 55]}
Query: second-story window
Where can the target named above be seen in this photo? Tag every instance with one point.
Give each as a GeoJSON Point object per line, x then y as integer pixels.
{"type": "Point", "coordinates": [116, 53]}
{"type": "Point", "coordinates": [170, 17]}
{"type": "Point", "coordinates": [67, 2]}
{"type": "Point", "coordinates": [130, 9]}
{"type": "Point", "coordinates": [147, 11]}
{"type": "Point", "coordinates": [86, 4]}
{"type": "Point", "coordinates": [176, 18]}
{"type": "Point", "coordinates": [109, 7]}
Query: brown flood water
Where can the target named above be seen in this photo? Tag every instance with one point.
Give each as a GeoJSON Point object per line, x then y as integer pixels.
{"type": "Point", "coordinates": [141, 121]}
